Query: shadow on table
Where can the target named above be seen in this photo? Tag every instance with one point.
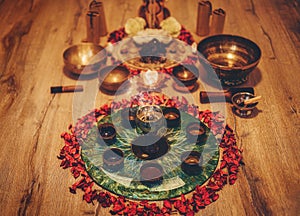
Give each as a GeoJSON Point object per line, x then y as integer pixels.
{"type": "Point", "coordinates": [78, 77]}
{"type": "Point", "coordinates": [254, 78]}
{"type": "Point", "coordinates": [254, 113]}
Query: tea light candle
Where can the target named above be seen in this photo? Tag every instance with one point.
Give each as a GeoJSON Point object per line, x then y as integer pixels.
{"type": "Point", "coordinates": [196, 132]}
{"type": "Point", "coordinates": [184, 74]}
{"type": "Point", "coordinates": [151, 173]}
{"type": "Point", "coordinates": [186, 78]}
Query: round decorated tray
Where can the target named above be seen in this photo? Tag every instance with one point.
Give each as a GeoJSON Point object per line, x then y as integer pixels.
{"type": "Point", "coordinates": [88, 170]}
{"type": "Point", "coordinates": [126, 181]}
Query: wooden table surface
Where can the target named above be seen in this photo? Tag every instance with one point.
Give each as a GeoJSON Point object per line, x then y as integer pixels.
{"type": "Point", "coordinates": [34, 35]}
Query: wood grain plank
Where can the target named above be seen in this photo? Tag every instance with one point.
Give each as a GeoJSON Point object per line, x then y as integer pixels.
{"type": "Point", "coordinates": [33, 37]}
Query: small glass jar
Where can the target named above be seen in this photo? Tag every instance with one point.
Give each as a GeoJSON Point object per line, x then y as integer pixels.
{"type": "Point", "coordinates": [150, 118]}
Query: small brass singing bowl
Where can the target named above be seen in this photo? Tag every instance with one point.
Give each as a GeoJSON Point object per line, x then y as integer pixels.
{"type": "Point", "coordinates": [149, 147]}
{"type": "Point", "coordinates": [187, 76]}
{"type": "Point", "coordinates": [239, 107]}
{"type": "Point", "coordinates": [108, 133]}
{"type": "Point", "coordinates": [151, 174]}
{"type": "Point", "coordinates": [111, 78]}
{"type": "Point", "coordinates": [191, 163]}
{"type": "Point", "coordinates": [196, 132]}
{"type": "Point", "coordinates": [84, 58]}
{"type": "Point", "coordinates": [113, 159]}
{"type": "Point", "coordinates": [232, 57]}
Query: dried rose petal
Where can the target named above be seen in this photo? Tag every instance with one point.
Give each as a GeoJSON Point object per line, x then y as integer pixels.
{"type": "Point", "coordinates": [167, 204]}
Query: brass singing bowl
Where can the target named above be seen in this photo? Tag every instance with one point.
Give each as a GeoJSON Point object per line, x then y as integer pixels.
{"type": "Point", "coordinates": [84, 58]}
{"type": "Point", "coordinates": [151, 174]}
{"type": "Point", "coordinates": [232, 57]}
{"type": "Point", "coordinates": [111, 78]}
{"type": "Point", "coordinates": [188, 76]}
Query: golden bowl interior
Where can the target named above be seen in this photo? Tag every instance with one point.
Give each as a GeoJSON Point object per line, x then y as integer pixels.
{"type": "Point", "coordinates": [87, 54]}
{"type": "Point", "coordinates": [111, 78]}
{"type": "Point", "coordinates": [229, 52]}
{"type": "Point", "coordinates": [185, 74]}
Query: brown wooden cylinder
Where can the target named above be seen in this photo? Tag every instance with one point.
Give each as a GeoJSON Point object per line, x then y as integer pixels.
{"type": "Point", "coordinates": [204, 12]}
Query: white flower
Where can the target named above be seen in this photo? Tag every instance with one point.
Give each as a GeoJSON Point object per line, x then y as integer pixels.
{"type": "Point", "coordinates": [172, 26]}
{"type": "Point", "coordinates": [134, 25]}
{"type": "Point", "coordinates": [141, 21]}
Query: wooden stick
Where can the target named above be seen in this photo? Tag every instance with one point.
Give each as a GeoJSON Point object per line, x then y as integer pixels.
{"type": "Point", "coordinates": [62, 89]}
{"type": "Point", "coordinates": [252, 100]}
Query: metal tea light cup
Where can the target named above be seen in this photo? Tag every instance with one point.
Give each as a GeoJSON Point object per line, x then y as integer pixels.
{"type": "Point", "coordinates": [191, 163]}
{"type": "Point", "coordinates": [150, 118]}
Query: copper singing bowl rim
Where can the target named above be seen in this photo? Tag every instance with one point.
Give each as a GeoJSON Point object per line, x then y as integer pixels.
{"type": "Point", "coordinates": [223, 42]}
{"type": "Point", "coordinates": [83, 48]}
{"type": "Point", "coordinates": [107, 70]}
{"type": "Point", "coordinates": [190, 69]}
